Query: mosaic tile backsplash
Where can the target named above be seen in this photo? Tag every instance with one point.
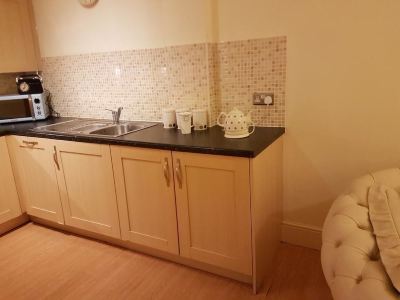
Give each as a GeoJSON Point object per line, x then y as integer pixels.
{"type": "Point", "coordinates": [245, 67]}
{"type": "Point", "coordinates": [142, 81]}
{"type": "Point", "coordinates": [217, 76]}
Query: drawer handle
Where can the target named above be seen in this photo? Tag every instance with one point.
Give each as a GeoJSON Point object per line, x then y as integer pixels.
{"type": "Point", "coordinates": [55, 157]}
{"type": "Point", "coordinates": [166, 171]}
{"type": "Point", "coordinates": [30, 144]}
{"type": "Point", "coordinates": [178, 172]}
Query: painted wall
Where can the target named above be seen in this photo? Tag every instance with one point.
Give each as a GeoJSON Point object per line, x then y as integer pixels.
{"type": "Point", "coordinates": [154, 54]}
{"type": "Point", "coordinates": [66, 28]}
{"type": "Point", "coordinates": [342, 104]}
{"type": "Point", "coordinates": [343, 91]}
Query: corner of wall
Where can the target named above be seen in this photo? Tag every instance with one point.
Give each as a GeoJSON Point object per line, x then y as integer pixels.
{"type": "Point", "coordinates": [301, 235]}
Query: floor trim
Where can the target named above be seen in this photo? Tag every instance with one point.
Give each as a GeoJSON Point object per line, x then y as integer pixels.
{"type": "Point", "coordinates": [13, 223]}
{"type": "Point", "coordinates": [302, 235]}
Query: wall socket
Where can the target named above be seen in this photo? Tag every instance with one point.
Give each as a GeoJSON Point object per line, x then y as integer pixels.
{"type": "Point", "coordinates": [263, 98]}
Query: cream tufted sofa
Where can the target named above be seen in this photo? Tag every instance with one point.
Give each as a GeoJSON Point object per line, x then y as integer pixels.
{"type": "Point", "coordinates": [350, 257]}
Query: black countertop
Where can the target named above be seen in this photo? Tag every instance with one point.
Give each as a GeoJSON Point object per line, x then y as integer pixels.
{"type": "Point", "coordinates": [211, 141]}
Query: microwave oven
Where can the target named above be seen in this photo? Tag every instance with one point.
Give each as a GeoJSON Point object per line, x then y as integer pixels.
{"type": "Point", "coordinates": [21, 108]}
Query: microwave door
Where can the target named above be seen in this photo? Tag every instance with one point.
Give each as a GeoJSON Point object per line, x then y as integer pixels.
{"type": "Point", "coordinates": [16, 110]}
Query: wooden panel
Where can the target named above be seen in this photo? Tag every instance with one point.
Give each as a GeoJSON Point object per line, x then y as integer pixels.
{"type": "Point", "coordinates": [146, 197]}
{"type": "Point", "coordinates": [87, 187]}
{"type": "Point", "coordinates": [35, 37]}
{"type": "Point", "coordinates": [147, 250]}
{"type": "Point", "coordinates": [266, 210]}
{"type": "Point", "coordinates": [213, 205]}
{"type": "Point", "coordinates": [18, 43]}
{"type": "Point", "coordinates": [299, 276]}
{"type": "Point", "coordinates": [87, 269]}
{"type": "Point", "coordinates": [35, 176]}
{"type": "Point", "coordinates": [9, 201]}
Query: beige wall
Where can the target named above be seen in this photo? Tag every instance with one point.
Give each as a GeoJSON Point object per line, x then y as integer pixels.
{"type": "Point", "coordinates": [343, 91]}
{"type": "Point", "coordinates": [343, 95]}
{"type": "Point", "coordinates": [66, 28]}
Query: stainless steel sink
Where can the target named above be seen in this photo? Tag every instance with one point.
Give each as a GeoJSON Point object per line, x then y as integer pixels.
{"type": "Point", "coordinates": [90, 127]}
{"type": "Point", "coordinates": [120, 129]}
{"type": "Point", "coordinates": [93, 127]}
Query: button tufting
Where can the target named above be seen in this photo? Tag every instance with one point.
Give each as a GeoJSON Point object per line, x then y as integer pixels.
{"type": "Point", "coordinates": [350, 247]}
{"type": "Point", "coordinates": [362, 227]}
{"type": "Point", "coordinates": [373, 258]}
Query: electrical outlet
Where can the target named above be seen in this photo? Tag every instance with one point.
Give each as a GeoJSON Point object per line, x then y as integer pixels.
{"type": "Point", "coordinates": [263, 98]}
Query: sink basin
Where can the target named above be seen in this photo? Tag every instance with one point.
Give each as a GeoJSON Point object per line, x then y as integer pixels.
{"type": "Point", "coordinates": [94, 127]}
{"type": "Point", "coordinates": [91, 127]}
{"type": "Point", "coordinates": [74, 126]}
{"type": "Point", "coordinates": [120, 129]}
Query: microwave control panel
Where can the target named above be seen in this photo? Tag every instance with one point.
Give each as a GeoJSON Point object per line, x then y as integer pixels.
{"type": "Point", "coordinates": [40, 107]}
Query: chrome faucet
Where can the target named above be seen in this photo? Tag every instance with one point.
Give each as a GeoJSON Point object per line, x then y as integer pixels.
{"type": "Point", "coordinates": [116, 114]}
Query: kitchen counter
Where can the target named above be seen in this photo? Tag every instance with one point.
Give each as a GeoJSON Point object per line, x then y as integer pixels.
{"type": "Point", "coordinates": [211, 141]}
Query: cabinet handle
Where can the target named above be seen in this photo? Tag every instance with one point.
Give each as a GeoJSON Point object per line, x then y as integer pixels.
{"type": "Point", "coordinates": [166, 171]}
{"type": "Point", "coordinates": [178, 172]}
{"type": "Point", "coordinates": [55, 157]}
{"type": "Point", "coordinates": [30, 144]}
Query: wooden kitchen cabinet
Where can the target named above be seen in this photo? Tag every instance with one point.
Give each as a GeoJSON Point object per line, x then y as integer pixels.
{"type": "Point", "coordinates": [87, 189]}
{"type": "Point", "coordinates": [146, 197]}
{"type": "Point", "coordinates": [213, 205]}
{"type": "Point", "coordinates": [19, 51]}
{"type": "Point", "coordinates": [35, 176]}
{"type": "Point", "coordinates": [218, 213]}
{"type": "Point", "coordinates": [9, 202]}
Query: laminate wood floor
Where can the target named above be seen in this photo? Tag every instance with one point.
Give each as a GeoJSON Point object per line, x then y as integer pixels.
{"type": "Point", "coordinates": [41, 263]}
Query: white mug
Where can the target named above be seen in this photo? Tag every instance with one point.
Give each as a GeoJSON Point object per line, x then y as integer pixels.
{"type": "Point", "coordinates": [200, 119]}
{"type": "Point", "coordinates": [185, 121]}
{"type": "Point", "coordinates": [169, 118]}
{"type": "Point", "coordinates": [178, 111]}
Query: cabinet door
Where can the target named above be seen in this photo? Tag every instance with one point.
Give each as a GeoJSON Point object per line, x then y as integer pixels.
{"type": "Point", "coordinates": [86, 180]}
{"type": "Point", "coordinates": [9, 201]}
{"type": "Point", "coordinates": [146, 198]}
{"type": "Point", "coordinates": [35, 175]}
{"type": "Point", "coordinates": [213, 203]}
{"type": "Point", "coordinates": [18, 44]}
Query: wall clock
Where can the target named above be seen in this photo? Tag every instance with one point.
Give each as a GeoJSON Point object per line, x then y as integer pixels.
{"type": "Point", "coordinates": [88, 3]}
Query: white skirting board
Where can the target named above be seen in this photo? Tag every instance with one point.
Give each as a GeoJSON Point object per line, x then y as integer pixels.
{"type": "Point", "coordinates": [301, 235]}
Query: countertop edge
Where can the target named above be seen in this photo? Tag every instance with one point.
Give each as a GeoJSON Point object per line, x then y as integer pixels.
{"type": "Point", "coordinates": [115, 142]}
{"type": "Point", "coordinates": [247, 153]}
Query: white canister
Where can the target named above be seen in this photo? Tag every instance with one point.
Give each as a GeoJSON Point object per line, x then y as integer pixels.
{"type": "Point", "coordinates": [185, 121]}
{"type": "Point", "coordinates": [178, 111]}
{"type": "Point", "coordinates": [169, 118]}
{"type": "Point", "coordinates": [200, 119]}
